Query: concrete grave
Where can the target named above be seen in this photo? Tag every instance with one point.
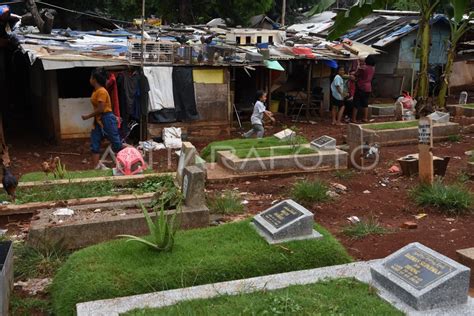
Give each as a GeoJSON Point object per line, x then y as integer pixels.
{"type": "Point", "coordinates": [6, 275]}
{"type": "Point", "coordinates": [382, 110]}
{"type": "Point", "coordinates": [423, 278]}
{"type": "Point", "coordinates": [324, 143]}
{"type": "Point", "coordinates": [186, 158]}
{"type": "Point", "coordinates": [466, 257]}
{"type": "Point", "coordinates": [193, 187]}
{"type": "Point", "coordinates": [285, 135]}
{"type": "Point", "coordinates": [285, 221]}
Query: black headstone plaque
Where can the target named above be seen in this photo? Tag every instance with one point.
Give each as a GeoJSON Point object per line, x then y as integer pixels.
{"type": "Point", "coordinates": [281, 215]}
{"type": "Point", "coordinates": [418, 268]}
{"type": "Point", "coordinates": [322, 140]}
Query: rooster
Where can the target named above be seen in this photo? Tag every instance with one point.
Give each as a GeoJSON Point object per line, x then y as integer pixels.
{"type": "Point", "coordinates": [9, 182]}
{"type": "Point", "coordinates": [50, 165]}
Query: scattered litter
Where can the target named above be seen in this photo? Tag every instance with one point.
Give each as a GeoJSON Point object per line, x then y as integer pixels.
{"type": "Point", "coordinates": [410, 225]}
{"type": "Point", "coordinates": [3, 232]}
{"type": "Point", "coordinates": [457, 157]}
{"type": "Point", "coordinates": [122, 214]}
{"type": "Point", "coordinates": [36, 155]}
{"type": "Point", "coordinates": [332, 194]}
{"type": "Point", "coordinates": [85, 161]}
{"type": "Point", "coordinates": [236, 189]}
{"type": "Point", "coordinates": [247, 182]}
{"type": "Point", "coordinates": [34, 286]}
{"type": "Point", "coordinates": [97, 210]}
{"type": "Point", "coordinates": [421, 215]}
{"type": "Point", "coordinates": [394, 169]}
{"type": "Point", "coordinates": [453, 230]}
{"type": "Point", "coordinates": [150, 145]}
{"type": "Point", "coordinates": [172, 137]}
{"type": "Point", "coordinates": [339, 187]}
{"type": "Point", "coordinates": [245, 202]}
{"type": "Point", "coordinates": [274, 201]}
{"type": "Point", "coordinates": [450, 219]}
{"type": "Point", "coordinates": [353, 219]}
{"type": "Point", "coordinates": [63, 212]}
{"type": "Point", "coordinates": [5, 203]}
{"type": "Point", "coordinates": [366, 192]}
{"type": "Point", "coordinates": [60, 221]}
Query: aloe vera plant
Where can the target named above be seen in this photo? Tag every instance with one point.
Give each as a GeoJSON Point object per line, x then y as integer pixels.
{"type": "Point", "coordinates": [162, 231]}
{"type": "Point", "coordinates": [60, 171]}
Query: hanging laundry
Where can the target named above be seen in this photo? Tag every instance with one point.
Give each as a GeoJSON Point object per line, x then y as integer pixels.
{"type": "Point", "coordinates": [184, 96]}
{"type": "Point", "coordinates": [160, 80]}
{"type": "Point", "coordinates": [112, 89]}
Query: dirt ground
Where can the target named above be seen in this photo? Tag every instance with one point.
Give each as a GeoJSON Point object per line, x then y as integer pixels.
{"type": "Point", "coordinates": [389, 204]}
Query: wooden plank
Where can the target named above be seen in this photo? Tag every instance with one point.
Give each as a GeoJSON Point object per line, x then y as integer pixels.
{"type": "Point", "coordinates": [117, 179]}
{"type": "Point", "coordinates": [425, 161]}
{"type": "Point", "coordinates": [350, 49]}
{"type": "Point", "coordinates": [33, 207]}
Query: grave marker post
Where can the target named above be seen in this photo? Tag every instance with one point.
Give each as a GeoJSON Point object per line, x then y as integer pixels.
{"type": "Point", "coordinates": [425, 146]}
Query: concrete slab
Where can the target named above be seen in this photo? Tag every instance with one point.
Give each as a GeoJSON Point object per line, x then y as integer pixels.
{"type": "Point", "coordinates": [358, 270]}
{"type": "Point", "coordinates": [382, 110]}
{"type": "Point", "coordinates": [466, 257]}
{"type": "Point", "coordinates": [319, 161]}
{"type": "Point", "coordinates": [85, 233]}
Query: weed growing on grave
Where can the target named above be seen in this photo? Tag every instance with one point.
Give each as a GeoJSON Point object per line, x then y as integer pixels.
{"type": "Point", "coordinates": [227, 203]}
{"type": "Point", "coordinates": [365, 228]}
{"type": "Point", "coordinates": [454, 138]}
{"type": "Point", "coordinates": [60, 171]}
{"type": "Point", "coordinates": [163, 230]}
{"type": "Point", "coordinates": [310, 191]}
{"type": "Point", "coordinates": [27, 306]}
{"type": "Point", "coordinates": [40, 261]}
{"type": "Point", "coordinates": [344, 174]}
{"type": "Point", "coordinates": [450, 199]}
{"type": "Point", "coordinates": [462, 177]}
{"type": "Point", "coordinates": [329, 297]}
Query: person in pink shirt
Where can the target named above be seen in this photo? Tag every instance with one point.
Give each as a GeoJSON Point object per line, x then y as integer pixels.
{"type": "Point", "coordinates": [363, 76]}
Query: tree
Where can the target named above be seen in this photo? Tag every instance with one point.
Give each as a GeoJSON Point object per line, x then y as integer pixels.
{"type": "Point", "coordinates": [460, 24]}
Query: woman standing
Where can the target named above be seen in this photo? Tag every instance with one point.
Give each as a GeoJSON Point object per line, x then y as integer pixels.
{"type": "Point", "coordinates": [364, 76]}
{"type": "Point", "coordinates": [105, 122]}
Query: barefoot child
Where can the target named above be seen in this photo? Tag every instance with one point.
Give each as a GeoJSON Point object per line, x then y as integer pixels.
{"type": "Point", "coordinates": [259, 111]}
{"type": "Point", "coordinates": [337, 97]}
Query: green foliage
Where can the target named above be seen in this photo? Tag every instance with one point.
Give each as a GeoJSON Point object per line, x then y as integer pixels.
{"type": "Point", "coordinates": [391, 125]}
{"type": "Point", "coordinates": [309, 191]}
{"type": "Point", "coordinates": [60, 171]}
{"type": "Point", "coordinates": [456, 138]}
{"type": "Point", "coordinates": [162, 231]}
{"type": "Point", "coordinates": [406, 5]}
{"type": "Point", "coordinates": [202, 256]}
{"type": "Point", "coordinates": [228, 203]}
{"type": "Point", "coordinates": [344, 174]}
{"type": "Point", "coordinates": [40, 176]}
{"type": "Point", "coordinates": [321, 6]}
{"type": "Point", "coordinates": [364, 228]}
{"type": "Point", "coordinates": [26, 306]}
{"type": "Point", "coordinates": [451, 199]}
{"type": "Point", "coordinates": [167, 193]}
{"type": "Point", "coordinates": [463, 177]}
{"type": "Point", "coordinates": [329, 297]}
{"type": "Point", "coordinates": [40, 261]}
{"type": "Point", "coordinates": [250, 153]}
{"type": "Point", "coordinates": [61, 192]}
{"type": "Point", "coordinates": [209, 153]}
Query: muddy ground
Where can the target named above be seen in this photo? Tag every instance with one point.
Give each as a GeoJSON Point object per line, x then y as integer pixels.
{"type": "Point", "coordinates": [390, 204]}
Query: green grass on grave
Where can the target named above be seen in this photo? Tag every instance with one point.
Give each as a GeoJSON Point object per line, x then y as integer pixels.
{"type": "Point", "coordinates": [470, 106]}
{"type": "Point", "coordinates": [250, 153]}
{"type": "Point", "coordinates": [201, 256]}
{"type": "Point", "coordinates": [81, 174]}
{"type": "Point", "coordinates": [209, 153]}
{"type": "Point", "coordinates": [330, 297]}
{"type": "Point", "coordinates": [61, 192]}
{"type": "Point", "coordinates": [390, 125]}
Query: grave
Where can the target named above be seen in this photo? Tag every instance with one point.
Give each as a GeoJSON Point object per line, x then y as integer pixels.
{"type": "Point", "coordinates": [439, 117]}
{"type": "Point", "coordinates": [285, 135]}
{"type": "Point", "coordinates": [422, 278]}
{"type": "Point", "coordinates": [381, 110]}
{"type": "Point", "coordinates": [6, 275]}
{"type": "Point", "coordinates": [461, 110]}
{"type": "Point", "coordinates": [194, 186]}
{"type": "Point", "coordinates": [284, 222]}
{"type": "Point", "coordinates": [324, 143]}
{"type": "Point", "coordinates": [466, 257]}
{"type": "Point", "coordinates": [186, 158]}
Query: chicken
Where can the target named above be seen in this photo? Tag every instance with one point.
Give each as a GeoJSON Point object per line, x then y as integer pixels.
{"type": "Point", "coordinates": [50, 165]}
{"type": "Point", "coordinates": [9, 182]}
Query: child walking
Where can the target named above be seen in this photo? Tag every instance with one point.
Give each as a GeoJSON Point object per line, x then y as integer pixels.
{"type": "Point", "coordinates": [337, 97]}
{"type": "Point", "coordinates": [259, 111]}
